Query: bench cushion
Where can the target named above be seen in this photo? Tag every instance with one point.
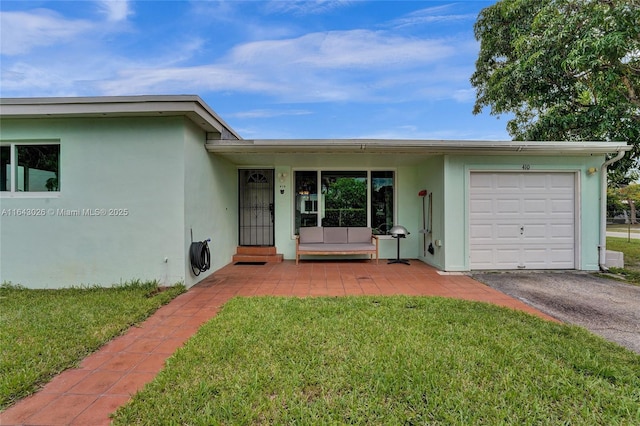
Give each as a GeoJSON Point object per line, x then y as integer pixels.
{"type": "Point", "coordinates": [311, 235]}
{"type": "Point", "coordinates": [359, 235]}
{"type": "Point", "coordinates": [339, 247]}
{"type": "Point", "coordinates": [335, 235]}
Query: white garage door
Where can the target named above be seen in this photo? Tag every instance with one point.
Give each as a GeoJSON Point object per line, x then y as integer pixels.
{"type": "Point", "coordinates": [522, 220]}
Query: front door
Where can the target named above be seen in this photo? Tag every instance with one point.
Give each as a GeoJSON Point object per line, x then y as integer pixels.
{"type": "Point", "coordinates": [256, 207]}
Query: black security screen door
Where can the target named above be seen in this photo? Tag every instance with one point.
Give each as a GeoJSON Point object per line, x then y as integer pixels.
{"type": "Point", "coordinates": [256, 198]}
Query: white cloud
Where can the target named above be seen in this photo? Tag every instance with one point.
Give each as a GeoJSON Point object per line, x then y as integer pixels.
{"type": "Point", "coordinates": [464, 95]}
{"type": "Point", "coordinates": [355, 65]}
{"type": "Point", "coordinates": [34, 81]}
{"type": "Point", "coordinates": [306, 7]}
{"type": "Point", "coordinates": [22, 31]}
{"type": "Point", "coordinates": [343, 49]}
{"type": "Point", "coordinates": [431, 15]}
{"type": "Point", "coordinates": [269, 113]}
{"type": "Point", "coordinates": [115, 10]}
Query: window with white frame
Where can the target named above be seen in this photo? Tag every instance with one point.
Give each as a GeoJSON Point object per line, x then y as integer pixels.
{"type": "Point", "coordinates": [330, 198]}
{"type": "Point", "coordinates": [29, 167]}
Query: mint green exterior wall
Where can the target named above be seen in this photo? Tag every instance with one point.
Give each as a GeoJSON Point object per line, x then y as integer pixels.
{"type": "Point", "coordinates": [457, 170]}
{"type": "Point", "coordinates": [210, 203]}
{"type": "Point", "coordinates": [159, 171]}
{"type": "Point", "coordinates": [431, 175]}
{"type": "Point", "coordinates": [138, 164]}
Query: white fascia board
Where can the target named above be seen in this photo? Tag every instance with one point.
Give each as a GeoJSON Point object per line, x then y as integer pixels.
{"type": "Point", "coordinates": [190, 106]}
{"type": "Point", "coordinates": [413, 146]}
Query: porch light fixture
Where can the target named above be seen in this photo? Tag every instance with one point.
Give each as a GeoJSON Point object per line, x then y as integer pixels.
{"type": "Point", "coordinates": [397, 232]}
{"type": "Point", "coordinates": [591, 171]}
{"type": "Point", "coordinates": [282, 177]}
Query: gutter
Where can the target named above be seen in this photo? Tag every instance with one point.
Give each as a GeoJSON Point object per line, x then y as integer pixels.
{"type": "Point", "coordinates": [602, 247]}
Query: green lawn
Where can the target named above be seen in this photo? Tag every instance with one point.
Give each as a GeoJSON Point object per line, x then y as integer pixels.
{"type": "Point", "coordinates": [389, 360]}
{"type": "Point", "coordinates": [43, 332]}
{"type": "Point", "coordinates": [631, 250]}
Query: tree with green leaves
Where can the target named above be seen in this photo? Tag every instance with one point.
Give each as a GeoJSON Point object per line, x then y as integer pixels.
{"type": "Point", "coordinates": [566, 70]}
{"type": "Point", "coordinates": [630, 194]}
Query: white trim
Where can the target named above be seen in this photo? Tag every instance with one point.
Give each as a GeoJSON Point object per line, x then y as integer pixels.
{"type": "Point", "coordinates": [279, 146]}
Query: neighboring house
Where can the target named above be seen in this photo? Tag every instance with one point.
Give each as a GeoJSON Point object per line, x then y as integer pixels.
{"type": "Point", "coordinates": [107, 189]}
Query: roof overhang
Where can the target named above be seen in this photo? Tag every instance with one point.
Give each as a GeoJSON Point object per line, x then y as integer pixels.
{"type": "Point", "coordinates": [399, 146]}
{"type": "Point", "coordinates": [399, 151]}
{"type": "Point", "coordinates": [190, 106]}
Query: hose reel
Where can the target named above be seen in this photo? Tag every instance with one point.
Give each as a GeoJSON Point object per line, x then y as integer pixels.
{"type": "Point", "coordinates": [199, 256]}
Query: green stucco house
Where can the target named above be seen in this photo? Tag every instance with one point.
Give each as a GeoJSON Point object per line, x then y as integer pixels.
{"type": "Point", "coordinates": [103, 190]}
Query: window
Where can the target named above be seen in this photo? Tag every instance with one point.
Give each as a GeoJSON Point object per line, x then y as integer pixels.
{"type": "Point", "coordinates": [382, 202]}
{"type": "Point", "coordinates": [347, 198]}
{"type": "Point", "coordinates": [30, 168]}
{"type": "Point", "coordinates": [306, 199]}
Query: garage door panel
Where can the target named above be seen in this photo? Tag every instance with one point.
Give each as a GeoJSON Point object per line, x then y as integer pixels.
{"type": "Point", "coordinates": [506, 259]}
{"type": "Point", "coordinates": [482, 232]}
{"type": "Point", "coordinates": [507, 232]}
{"type": "Point", "coordinates": [479, 207]}
{"type": "Point", "coordinates": [506, 206]}
{"type": "Point", "coordinates": [484, 258]}
{"type": "Point", "coordinates": [480, 182]}
{"type": "Point", "coordinates": [506, 181]}
{"type": "Point", "coordinates": [534, 206]}
{"type": "Point", "coordinates": [534, 181]}
{"type": "Point", "coordinates": [562, 207]}
{"type": "Point", "coordinates": [522, 220]}
{"type": "Point", "coordinates": [562, 231]}
{"type": "Point", "coordinates": [535, 232]}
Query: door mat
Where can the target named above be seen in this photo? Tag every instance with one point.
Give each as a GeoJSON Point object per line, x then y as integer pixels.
{"type": "Point", "coordinates": [250, 263]}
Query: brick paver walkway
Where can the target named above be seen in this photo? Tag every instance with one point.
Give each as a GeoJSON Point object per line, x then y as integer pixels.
{"type": "Point", "coordinates": [106, 379]}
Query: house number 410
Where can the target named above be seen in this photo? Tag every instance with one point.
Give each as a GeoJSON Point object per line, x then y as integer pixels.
{"type": "Point", "coordinates": [526, 166]}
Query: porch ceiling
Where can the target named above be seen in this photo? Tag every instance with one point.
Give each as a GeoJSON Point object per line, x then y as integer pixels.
{"type": "Point", "coordinates": [305, 159]}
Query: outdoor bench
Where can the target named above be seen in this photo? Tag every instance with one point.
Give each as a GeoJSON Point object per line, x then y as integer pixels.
{"type": "Point", "coordinates": [336, 241]}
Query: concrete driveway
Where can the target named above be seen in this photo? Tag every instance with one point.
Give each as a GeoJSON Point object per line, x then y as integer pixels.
{"type": "Point", "coordinates": [606, 307]}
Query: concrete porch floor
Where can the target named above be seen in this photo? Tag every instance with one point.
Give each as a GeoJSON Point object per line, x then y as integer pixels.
{"type": "Point", "coordinates": [109, 377]}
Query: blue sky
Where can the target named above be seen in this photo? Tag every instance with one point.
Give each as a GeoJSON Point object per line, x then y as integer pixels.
{"type": "Point", "coordinates": [271, 69]}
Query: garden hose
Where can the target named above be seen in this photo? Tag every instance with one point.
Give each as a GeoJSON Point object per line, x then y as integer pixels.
{"type": "Point", "coordinates": [200, 256]}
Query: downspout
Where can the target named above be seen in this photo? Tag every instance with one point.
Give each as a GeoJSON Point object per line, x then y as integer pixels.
{"type": "Point", "coordinates": [602, 247]}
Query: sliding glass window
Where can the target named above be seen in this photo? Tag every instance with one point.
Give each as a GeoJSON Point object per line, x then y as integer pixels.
{"type": "Point", "coordinates": [30, 168]}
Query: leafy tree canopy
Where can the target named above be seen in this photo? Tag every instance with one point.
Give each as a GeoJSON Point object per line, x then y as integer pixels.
{"type": "Point", "coordinates": [566, 69]}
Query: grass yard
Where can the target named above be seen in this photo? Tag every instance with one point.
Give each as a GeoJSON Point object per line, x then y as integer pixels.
{"type": "Point", "coordinates": [389, 360]}
{"type": "Point", "coordinates": [631, 250]}
{"type": "Point", "coordinates": [43, 332]}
